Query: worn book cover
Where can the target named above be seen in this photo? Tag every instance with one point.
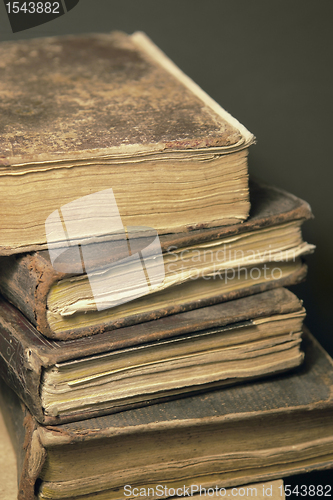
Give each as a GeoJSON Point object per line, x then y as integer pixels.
{"type": "Point", "coordinates": [199, 268]}
{"type": "Point", "coordinates": [9, 489]}
{"type": "Point", "coordinates": [84, 114]}
{"type": "Point", "coordinates": [242, 434]}
{"type": "Point", "coordinates": [142, 364]}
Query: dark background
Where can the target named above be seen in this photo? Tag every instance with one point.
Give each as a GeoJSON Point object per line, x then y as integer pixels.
{"type": "Point", "coordinates": [269, 63]}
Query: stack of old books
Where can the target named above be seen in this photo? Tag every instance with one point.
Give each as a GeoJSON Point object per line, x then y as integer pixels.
{"type": "Point", "coordinates": [139, 287]}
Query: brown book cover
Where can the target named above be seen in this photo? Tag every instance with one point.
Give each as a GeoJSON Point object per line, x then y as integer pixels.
{"type": "Point", "coordinates": [27, 358]}
{"type": "Point", "coordinates": [26, 279]}
{"type": "Point", "coordinates": [84, 113]}
{"type": "Point", "coordinates": [239, 435]}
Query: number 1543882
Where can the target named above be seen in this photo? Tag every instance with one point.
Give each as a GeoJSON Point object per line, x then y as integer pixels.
{"type": "Point", "coordinates": [33, 7]}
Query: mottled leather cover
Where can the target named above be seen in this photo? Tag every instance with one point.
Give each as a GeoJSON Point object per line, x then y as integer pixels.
{"type": "Point", "coordinates": [83, 96]}
{"type": "Point", "coordinates": [24, 352]}
{"type": "Point", "coordinates": [109, 107]}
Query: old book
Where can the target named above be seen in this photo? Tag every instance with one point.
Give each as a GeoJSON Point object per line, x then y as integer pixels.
{"type": "Point", "coordinates": [237, 435]}
{"type": "Point", "coordinates": [9, 490]}
{"type": "Point", "coordinates": [86, 114]}
{"type": "Point", "coordinates": [8, 467]}
{"type": "Point", "coordinates": [208, 266]}
{"type": "Point", "coordinates": [139, 365]}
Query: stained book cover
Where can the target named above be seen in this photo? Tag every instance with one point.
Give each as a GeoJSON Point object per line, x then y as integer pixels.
{"type": "Point", "coordinates": [227, 340]}
{"type": "Point", "coordinates": [289, 417]}
{"type": "Point", "coordinates": [53, 78]}
{"type": "Point", "coordinates": [26, 280]}
{"type": "Point", "coordinates": [85, 113]}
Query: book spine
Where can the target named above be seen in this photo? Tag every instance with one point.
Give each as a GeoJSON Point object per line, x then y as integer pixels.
{"type": "Point", "coordinates": [20, 368]}
{"type": "Point", "coordinates": [25, 282]}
